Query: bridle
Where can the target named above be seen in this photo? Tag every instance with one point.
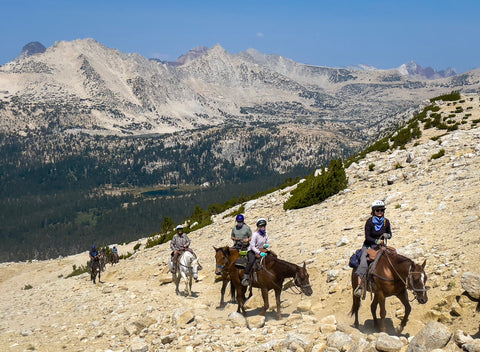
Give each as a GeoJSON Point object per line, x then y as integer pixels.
{"type": "Point", "coordinates": [296, 288]}
{"type": "Point", "coordinates": [299, 288]}
{"type": "Point", "coordinates": [225, 259]}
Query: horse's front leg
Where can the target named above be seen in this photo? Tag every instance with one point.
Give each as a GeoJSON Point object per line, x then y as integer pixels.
{"type": "Point", "coordinates": [241, 300]}
{"type": "Point", "coordinates": [265, 301]}
{"type": "Point", "coordinates": [176, 279]}
{"type": "Point", "coordinates": [403, 297]}
{"type": "Point", "coordinates": [277, 297]}
{"type": "Point", "coordinates": [189, 285]}
{"type": "Point", "coordinates": [185, 278]}
{"type": "Point", "coordinates": [383, 314]}
{"type": "Point", "coordinates": [222, 293]}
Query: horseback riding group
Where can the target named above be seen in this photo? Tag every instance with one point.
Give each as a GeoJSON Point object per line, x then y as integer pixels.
{"type": "Point", "coordinates": [250, 262]}
{"type": "Point", "coordinates": [377, 268]}
{"type": "Point", "coordinates": [98, 261]}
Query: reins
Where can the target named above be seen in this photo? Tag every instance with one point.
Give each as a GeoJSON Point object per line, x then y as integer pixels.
{"type": "Point", "coordinates": [294, 288]}
{"type": "Point", "coordinates": [408, 279]}
{"type": "Point", "coordinates": [185, 266]}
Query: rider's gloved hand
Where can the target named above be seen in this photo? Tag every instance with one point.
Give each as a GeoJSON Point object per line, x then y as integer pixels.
{"type": "Point", "coordinates": [378, 241]}
{"type": "Point", "coordinates": [263, 254]}
{"type": "Point", "coordinates": [266, 245]}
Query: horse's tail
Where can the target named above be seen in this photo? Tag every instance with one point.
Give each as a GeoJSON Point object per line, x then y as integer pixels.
{"type": "Point", "coordinates": [355, 306]}
{"type": "Point", "coordinates": [356, 302]}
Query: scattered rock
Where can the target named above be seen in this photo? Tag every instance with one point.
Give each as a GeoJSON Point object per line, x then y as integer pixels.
{"type": "Point", "coordinates": [433, 335]}
{"type": "Point", "coordinates": [471, 283]}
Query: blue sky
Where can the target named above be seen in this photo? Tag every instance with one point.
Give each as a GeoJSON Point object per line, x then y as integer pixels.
{"type": "Point", "coordinates": [382, 33]}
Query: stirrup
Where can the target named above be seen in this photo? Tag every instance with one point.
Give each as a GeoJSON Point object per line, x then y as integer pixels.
{"type": "Point", "coordinates": [358, 291]}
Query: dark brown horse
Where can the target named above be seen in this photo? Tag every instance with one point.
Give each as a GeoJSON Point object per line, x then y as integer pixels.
{"type": "Point", "coordinates": [394, 275]}
{"type": "Point", "coordinates": [95, 269]}
{"type": "Point", "coordinates": [271, 276]}
{"type": "Point", "coordinates": [114, 258]}
{"type": "Point", "coordinates": [224, 256]}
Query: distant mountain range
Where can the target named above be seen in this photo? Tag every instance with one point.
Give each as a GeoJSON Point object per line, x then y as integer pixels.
{"type": "Point", "coordinates": [102, 91]}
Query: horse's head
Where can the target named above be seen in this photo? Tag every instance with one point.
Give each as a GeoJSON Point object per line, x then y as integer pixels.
{"type": "Point", "coordinates": [417, 279]}
{"type": "Point", "coordinates": [302, 280]}
{"type": "Point", "coordinates": [221, 259]}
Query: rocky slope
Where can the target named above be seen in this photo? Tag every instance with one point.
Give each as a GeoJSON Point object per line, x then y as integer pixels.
{"type": "Point", "coordinates": [432, 203]}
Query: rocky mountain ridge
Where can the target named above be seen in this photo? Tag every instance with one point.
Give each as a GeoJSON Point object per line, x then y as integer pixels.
{"type": "Point", "coordinates": [84, 86]}
{"type": "Point", "coordinates": [432, 192]}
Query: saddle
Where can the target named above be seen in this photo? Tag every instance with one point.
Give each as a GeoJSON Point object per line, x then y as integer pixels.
{"type": "Point", "coordinates": [372, 253]}
{"type": "Point", "coordinates": [373, 257]}
{"type": "Point", "coordinates": [242, 262]}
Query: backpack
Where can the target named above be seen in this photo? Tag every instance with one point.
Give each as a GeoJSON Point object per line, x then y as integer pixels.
{"type": "Point", "coordinates": [355, 259]}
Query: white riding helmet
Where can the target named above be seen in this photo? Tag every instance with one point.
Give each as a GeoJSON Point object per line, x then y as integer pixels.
{"type": "Point", "coordinates": [261, 222]}
{"type": "Point", "coordinates": [378, 204]}
{"type": "Point", "coordinates": [179, 227]}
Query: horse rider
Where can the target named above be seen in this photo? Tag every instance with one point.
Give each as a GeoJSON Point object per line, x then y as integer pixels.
{"type": "Point", "coordinates": [92, 254]}
{"type": "Point", "coordinates": [115, 252]}
{"type": "Point", "coordinates": [256, 249]}
{"type": "Point", "coordinates": [377, 228]}
{"type": "Point", "coordinates": [241, 233]}
{"type": "Point", "coordinates": [179, 244]}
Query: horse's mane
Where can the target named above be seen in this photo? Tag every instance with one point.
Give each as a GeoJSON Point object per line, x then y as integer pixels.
{"type": "Point", "coordinates": [281, 261]}
{"type": "Point", "coordinates": [399, 257]}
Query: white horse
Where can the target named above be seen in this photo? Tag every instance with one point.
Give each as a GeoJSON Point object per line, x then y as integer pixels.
{"type": "Point", "coordinates": [187, 268]}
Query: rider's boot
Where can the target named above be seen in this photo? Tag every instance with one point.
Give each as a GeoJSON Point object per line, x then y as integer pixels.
{"type": "Point", "coordinates": [359, 291]}
{"type": "Point", "coordinates": [246, 280]}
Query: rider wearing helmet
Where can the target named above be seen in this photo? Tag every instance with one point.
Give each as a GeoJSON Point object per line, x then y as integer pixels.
{"type": "Point", "coordinates": [257, 248]}
{"type": "Point", "coordinates": [377, 228]}
{"type": "Point", "coordinates": [179, 243]}
{"type": "Point", "coordinates": [241, 233]}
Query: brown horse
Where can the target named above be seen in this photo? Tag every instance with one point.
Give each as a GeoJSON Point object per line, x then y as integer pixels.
{"type": "Point", "coordinates": [271, 276]}
{"type": "Point", "coordinates": [95, 269]}
{"type": "Point", "coordinates": [394, 274]}
{"type": "Point", "coordinates": [113, 258]}
{"type": "Point", "coordinates": [224, 256]}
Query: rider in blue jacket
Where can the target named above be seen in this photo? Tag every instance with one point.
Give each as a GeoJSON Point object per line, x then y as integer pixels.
{"type": "Point", "coordinates": [92, 254]}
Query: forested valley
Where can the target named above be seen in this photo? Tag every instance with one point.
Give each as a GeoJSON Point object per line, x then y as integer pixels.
{"type": "Point", "coordinates": [62, 193]}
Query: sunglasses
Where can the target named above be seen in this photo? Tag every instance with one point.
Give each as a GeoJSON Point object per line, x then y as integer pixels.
{"type": "Point", "coordinates": [380, 210]}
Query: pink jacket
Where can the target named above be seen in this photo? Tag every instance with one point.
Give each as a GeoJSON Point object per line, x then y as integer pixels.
{"type": "Point", "coordinates": [257, 242]}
